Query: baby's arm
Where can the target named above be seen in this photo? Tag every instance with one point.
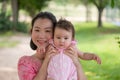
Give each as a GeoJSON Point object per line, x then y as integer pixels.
{"type": "Point", "coordinates": [88, 56]}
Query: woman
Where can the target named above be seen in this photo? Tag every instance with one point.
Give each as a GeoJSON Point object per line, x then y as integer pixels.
{"type": "Point", "coordinates": [34, 67]}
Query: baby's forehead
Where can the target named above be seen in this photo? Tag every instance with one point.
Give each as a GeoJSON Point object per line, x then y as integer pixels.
{"type": "Point", "coordinates": [63, 28]}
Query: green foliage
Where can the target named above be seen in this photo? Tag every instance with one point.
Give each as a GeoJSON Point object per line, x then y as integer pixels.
{"type": "Point", "coordinates": [100, 3]}
{"type": "Point", "coordinates": [63, 2]}
{"type": "Point", "coordinates": [118, 40]}
{"type": "Point", "coordinates": [1, 0]}
{"type": "Point", "coordinates": [22, 27]}
{"type": "Point", "coordinates": [116, 3]}
{"type": "Point", "coordinates": [5, 23]}
{"type": "Point", "coordinates": [32, 6]}
{"type": "Point", "coordinates": [112, 3]}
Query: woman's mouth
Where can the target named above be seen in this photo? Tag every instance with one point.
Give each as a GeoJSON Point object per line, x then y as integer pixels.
{"type": "Point", "coordinates": [41, 42]}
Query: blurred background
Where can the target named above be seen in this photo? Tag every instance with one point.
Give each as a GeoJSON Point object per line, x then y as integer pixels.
{"type": "Point", "coordinates": [97, 25]}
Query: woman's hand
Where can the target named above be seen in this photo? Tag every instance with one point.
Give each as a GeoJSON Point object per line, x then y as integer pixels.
{"type": "Point", "coordinates": [51, 51]}
{"type": "Point", "coordinates": [42, 74]}
{"type": "Point", "coordinates": [72, 53]}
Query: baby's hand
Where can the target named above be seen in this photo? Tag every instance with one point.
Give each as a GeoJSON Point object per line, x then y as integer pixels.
{"type": "Point", "coordinates": [97, 58]}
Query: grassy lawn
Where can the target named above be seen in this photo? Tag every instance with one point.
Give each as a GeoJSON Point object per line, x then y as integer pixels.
{"type": "Point", "coordinates": [102, 42]}
{"type": "Point", "coordinates": [5, 40]}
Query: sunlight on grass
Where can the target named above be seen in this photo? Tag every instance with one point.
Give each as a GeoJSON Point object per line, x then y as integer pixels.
{"type": "Point", "coordinates": [5, 40]}
{"type": "Point", "coordinates": [90, 73]}
{"type": "Point", "coordinates": [102, 42]}
{"type": "Point", "coordinates": [8, 43]}
{"type": "Point", "coordinates": [8, 33]}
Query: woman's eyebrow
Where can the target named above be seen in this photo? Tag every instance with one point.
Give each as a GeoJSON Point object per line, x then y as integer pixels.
{"type": "Point", "coordinates": [44, 28]}
{"type": "Point", "coordinates": [37, 27]}
{"type": "Point", "coordinates": [48, 28]}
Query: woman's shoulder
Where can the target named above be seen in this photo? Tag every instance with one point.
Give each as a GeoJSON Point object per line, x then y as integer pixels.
{"type": "Point", "coordinates": [28, 60]}
{"type": "Point", "coordinates": [25, 58]}
{"type": "Point", "coordinates": [27, 67]}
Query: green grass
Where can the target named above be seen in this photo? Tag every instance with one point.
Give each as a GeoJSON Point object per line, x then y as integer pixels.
{"type": "Point", "coordinates": [6, 43]}
{"type": "Point", "coordinates": [102, 42]}
{"type": "Point", "coordinates": [5, 40]}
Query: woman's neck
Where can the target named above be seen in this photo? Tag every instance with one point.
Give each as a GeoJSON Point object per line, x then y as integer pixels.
{"type": "Point", "coordinates": [38, 57]}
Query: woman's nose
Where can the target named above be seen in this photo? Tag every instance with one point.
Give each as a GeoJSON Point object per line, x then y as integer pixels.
{"type": "Point", "coordinates": [41, 35]}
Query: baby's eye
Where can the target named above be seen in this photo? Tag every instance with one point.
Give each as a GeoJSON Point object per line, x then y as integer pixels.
{"type": "Point", "coordinates": [58, 37]}
{"type": "Point", "coordinates": [66, 38]}
{"type": "Point", "coordinates": [48, 30]}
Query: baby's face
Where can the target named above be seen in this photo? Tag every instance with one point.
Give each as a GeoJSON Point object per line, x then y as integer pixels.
{"type": "Point", "coordinates": [62, 38]}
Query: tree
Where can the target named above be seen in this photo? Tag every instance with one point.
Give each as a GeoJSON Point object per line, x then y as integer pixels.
{"type": "Point", "coordinates": [32, 6]}
{"type": "Point", "coordinates": [63, 3]}
{"type": "Point", "coordinates": [87, 6]}
{"type": "Point", "coordinates": [100, 4]}
{"type": "Point", "coordinates": [14, 6]}
{"type": "Point", "coordinates": [4, 5]}
{"type": "Point", "coordinates": [117, 5]}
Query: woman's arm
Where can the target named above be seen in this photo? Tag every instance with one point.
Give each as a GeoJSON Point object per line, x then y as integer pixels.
{"type": "Point", "coordinates": [81, 74]}
{"type": "Point", "coordinates": [72, 53]}
{"type": "Point", "coordinates": [43, 71]}
{"type": "Point", "coordinates": [42, 74]}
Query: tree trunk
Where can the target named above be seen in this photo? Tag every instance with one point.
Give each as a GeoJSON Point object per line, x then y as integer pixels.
{"type": "Point", "coordinates": [4, 5]}
{"type": "Point", "coordinates": [88, 13]}
{"type": "Point", "coordinates": [100, 18]}
{"type": "Point", "coordinates": [14, 5]}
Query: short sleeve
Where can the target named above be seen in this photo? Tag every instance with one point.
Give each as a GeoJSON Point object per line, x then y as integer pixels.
{"type": "Point", "coordinates": [25, 69]}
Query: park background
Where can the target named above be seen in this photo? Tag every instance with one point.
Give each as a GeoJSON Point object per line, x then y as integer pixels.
{"type": "Point", "coordinates": [97, 25]}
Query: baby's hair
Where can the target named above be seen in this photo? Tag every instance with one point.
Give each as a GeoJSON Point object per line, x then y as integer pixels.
{"type": "Point", "coordinates": [66, 25]}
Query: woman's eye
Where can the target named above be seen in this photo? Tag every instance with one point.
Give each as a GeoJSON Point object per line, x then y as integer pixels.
{"type": "Point", "coordinates": [37, 30]}
{"type": "Point", "coordinates": [48, 31]}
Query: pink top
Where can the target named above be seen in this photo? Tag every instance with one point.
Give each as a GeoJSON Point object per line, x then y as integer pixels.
{"type": "Point", "coordinates": [61, 67]}
{"type": "Point", "coordinates": [28, 67]}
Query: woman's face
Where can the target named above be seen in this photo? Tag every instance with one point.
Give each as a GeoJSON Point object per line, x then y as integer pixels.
{"type": "Point", "coordinates": [42, 32]}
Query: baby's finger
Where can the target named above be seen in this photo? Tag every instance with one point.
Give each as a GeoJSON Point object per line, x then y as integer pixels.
{"type": "Point", "coordinates": [69, 48]}
{"type": "Point", "coordinates": [51, 52]}
{"type": "Point", "coordinates": [69, 52]}
{"type": "Point", "coordinates": [99, 60]}
{"type": "Point", "coordinates": [70, 55]}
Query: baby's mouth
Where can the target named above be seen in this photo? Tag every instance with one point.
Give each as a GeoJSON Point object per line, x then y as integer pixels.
{"type": "Point", "coordinates": [61, 45]}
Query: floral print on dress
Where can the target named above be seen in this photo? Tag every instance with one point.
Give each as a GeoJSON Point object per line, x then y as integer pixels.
{"type": "Point", "coordinates": [28, 67]}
